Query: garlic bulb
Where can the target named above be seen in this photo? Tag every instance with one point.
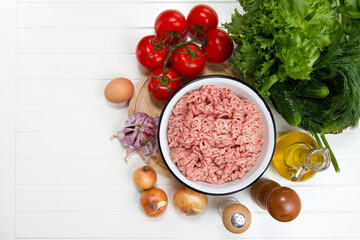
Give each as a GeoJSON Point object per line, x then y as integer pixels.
{"type": "Point", "coordinates": [139, 133]}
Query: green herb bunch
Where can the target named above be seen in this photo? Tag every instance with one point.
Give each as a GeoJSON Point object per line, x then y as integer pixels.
{"type": "Point", "coordinates": [312, 47]}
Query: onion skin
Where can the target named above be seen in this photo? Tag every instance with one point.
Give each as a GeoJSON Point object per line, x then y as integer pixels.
{"type": "Point", "coordinates": [189, 202]}
{"type": "Point", "coordinates": [153, 202]}
{"type": "Point", "coordinates": [145, 177]}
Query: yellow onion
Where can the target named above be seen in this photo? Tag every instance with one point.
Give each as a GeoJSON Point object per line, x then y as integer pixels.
{"type": "Point", "coordinates": [189, 202]}
{"type": "Point", "coordinates": [153, 202]}
{"type": "Point", "coordinates": [144, 177]}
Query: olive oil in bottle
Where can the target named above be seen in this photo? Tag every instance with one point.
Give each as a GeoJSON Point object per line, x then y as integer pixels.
{"type": "Point", "coordinates": [297, 157]}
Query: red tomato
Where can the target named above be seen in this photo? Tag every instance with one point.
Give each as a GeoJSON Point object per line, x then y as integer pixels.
{"type": "Point", "coordinates": [171, 21]}
{"type": "Point", "coordinates": [188, 60]}
{"type": "Point", "coordinates": [202, 16]}
{"type": "Point", "coordinates": [219, 46]}
{"type": "Point", "coordinates": [149, 52]}
{"type": "Point", "coordinates": [160, 83]}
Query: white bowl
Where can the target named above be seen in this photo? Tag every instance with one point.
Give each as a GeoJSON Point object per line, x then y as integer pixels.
{"type": "Point", "coordinates": [242, 90]}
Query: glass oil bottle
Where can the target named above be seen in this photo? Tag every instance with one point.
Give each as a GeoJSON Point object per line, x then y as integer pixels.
{"type": "Point", "coordinates": [297, 157]}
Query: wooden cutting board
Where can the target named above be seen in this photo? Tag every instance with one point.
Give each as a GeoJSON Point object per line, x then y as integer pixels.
{"type": "Point", "coordinates": [142, 101]}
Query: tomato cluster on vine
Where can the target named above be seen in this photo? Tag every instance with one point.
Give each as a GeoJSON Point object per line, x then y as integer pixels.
{"type": "Point", "coordinates": [180, 48]}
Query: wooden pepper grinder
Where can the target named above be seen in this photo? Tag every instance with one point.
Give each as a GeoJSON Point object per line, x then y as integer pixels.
{"type": "Point", "coordinates": [235, 216]}
{"type": "Point", "coordinates": [282, 203]}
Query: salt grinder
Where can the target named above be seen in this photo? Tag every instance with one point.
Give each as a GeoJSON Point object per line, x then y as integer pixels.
{"type": "Point", "coordinates": [235, 216]}
{"type": "Point", "coordinates": [282, 203]}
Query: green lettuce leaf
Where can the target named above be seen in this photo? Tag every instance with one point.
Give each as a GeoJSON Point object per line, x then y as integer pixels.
{"type": "Point", "coordinates": [280, 39]}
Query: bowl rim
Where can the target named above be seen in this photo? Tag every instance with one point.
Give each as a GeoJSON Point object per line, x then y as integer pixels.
{"type": "Point", "coordinates": [231, 79]}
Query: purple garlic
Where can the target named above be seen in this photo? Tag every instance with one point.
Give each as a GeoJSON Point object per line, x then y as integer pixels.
{"type": "Point", "coordinates": [139, 133]}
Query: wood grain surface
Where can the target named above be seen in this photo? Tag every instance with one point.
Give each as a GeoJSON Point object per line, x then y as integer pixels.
{"type": "Point", "coordinates": [60, 175]}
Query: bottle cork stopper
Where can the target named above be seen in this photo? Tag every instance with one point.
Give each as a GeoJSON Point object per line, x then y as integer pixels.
{"type": "Point", "coordinates": [236, 218]}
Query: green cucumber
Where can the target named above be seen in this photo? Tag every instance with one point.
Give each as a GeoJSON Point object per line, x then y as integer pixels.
{"type": "Point", "coordinates": [333, 127]}
{"type": "Point", "coordinates": [312, 108]}
{"type": "Point", "coordinates": [312, 111]}
{"type": "Point", "coordinates": [312, 90]}
{"type": "Point", "coordinates": [285, 103]}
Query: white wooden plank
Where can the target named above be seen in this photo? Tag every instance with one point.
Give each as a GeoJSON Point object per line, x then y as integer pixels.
{"type": "Point", "coordinates": [98, 145]}
{"type": "Point", "coordinates": [80, 177]}
{"type": "Point", "coordinates": [51, 239]}
{"type": "Point", "coordinates": [80, 40]}
{"type": "Point", "coordinates": [345, 145]}
{"type": "Point", "coordinates": [7, 119]}
{"type": "Point", "coordinates": [138, 1]}
{"type": "Point", "coordinates": [234, 237]}
{"type": "Point", "coordinates": [67, 145]}
{"type": "Point", "coordinates": [50, 172]}
{"type": "Point", "coordinates": [80, 172]}
{"type": "Point", "coordinates": [61, 92]}
{"type": "Point", "coordinates": [122, 198]}
{"type": "Point", "coordinates": [78, 66]}
{"type": "Point", "coordinates": [205, 226]}
{"type": "Point", "coordinates": [83, 199]}
{"type": "Point", "coordinates": [78, 119]}
{"type": "Point", "coordinates": [107, 14]}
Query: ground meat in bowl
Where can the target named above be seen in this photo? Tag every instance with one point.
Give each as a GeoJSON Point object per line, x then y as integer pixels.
{"type": "Point", "coordinates": [214, 136]}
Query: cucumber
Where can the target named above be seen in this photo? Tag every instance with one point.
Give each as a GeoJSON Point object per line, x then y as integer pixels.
{"type": "Point", "coordinates": [285, 103]}
{"type": "Point", "coordinates": [312, 108]}
{"type": "Point", "coordinates": [312, 112]}
{"type": "Point", "coordinates": [313, 118]}
{"type": "Point", "coordinates": [312, 90]}
{"type": "Point", "coordinates": [333, 127]}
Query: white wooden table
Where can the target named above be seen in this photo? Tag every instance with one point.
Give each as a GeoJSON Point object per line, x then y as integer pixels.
{"type": "Point", "coordinates": [60, 175]}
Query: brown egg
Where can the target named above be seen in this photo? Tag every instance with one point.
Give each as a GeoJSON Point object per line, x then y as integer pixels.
{"type": "Point", "coordinates": [119, 90]}
{"type": "Point", "coordinates": [283, 204]}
